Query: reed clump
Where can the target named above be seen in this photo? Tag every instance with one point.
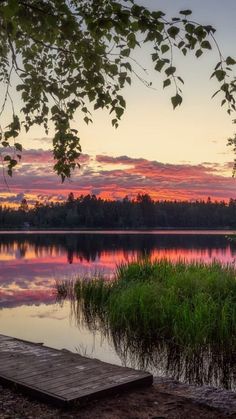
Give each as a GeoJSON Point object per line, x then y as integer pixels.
{"type": "Point", "coordinates": [190, 305]}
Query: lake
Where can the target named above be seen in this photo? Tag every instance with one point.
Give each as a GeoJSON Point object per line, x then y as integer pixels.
{"type": "Point", "coordinates": [32, 262]}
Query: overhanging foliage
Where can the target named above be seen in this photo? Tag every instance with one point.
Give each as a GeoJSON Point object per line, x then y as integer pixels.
{"type": "Point", "coordinates": [77, 54]}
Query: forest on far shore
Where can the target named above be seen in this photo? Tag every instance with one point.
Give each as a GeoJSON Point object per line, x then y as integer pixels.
{"type": "Point", "coordinates": [89, 211]}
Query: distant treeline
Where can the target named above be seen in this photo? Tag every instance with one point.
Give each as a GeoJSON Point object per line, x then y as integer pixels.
{"type": "Point", "coordinates": [140, 213]}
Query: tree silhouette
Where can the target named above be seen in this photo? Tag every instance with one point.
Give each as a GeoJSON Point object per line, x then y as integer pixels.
{"type": "Point", "coordinates": [140, 213]}
{"type": "Point", "coordinates": [24, 205]}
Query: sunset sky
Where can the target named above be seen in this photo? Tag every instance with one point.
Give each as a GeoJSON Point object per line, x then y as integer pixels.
{"type": "Point", "coordinates": [179, 154]}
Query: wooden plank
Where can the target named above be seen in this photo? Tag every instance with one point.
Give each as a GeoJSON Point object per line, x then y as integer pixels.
{"type": "Point", "coordinates": [76, 379]}
{"type": "Point", "coordinates": [64, 375]}
{"type": "Point", "coordinates": [108, 389]}
{"type": "Point", "coordinates": [60, 376]}
{"type": "Point", "coordinates": [92, 383]}
{"type": "Point", "coordinates": [22, 368]}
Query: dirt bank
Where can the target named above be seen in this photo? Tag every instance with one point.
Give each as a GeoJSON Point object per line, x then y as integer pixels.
{"type": "Point", "coordinates": [164, 399]}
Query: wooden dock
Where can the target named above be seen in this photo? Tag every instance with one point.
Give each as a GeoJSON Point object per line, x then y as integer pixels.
{"type": "Point", "coordinates": [61, 376]}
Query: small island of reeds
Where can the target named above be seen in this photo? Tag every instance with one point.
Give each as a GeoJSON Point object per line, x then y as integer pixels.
{"type": "Point", "coordinates": [188, 304]}
{"type": "Point", "coordinates": [185, 310]}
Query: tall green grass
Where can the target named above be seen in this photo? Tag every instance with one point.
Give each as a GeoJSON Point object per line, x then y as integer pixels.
{"type": "Point", "coordinates": [190, 305]}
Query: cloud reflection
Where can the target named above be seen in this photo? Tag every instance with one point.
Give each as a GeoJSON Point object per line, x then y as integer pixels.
{"type": "Point", "coordinates": [30, 279]}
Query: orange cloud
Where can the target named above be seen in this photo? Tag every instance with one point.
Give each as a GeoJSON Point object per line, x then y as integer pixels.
{"type": "Point", "coordinates": [114, 177]}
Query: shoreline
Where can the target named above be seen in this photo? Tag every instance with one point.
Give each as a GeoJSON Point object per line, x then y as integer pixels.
{"type": "Point", "coordinates": [161, 231]}
{"type": "Point", "coordinates": [165, 399]}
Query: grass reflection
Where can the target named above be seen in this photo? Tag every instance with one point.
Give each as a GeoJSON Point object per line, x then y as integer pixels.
{"type": "Point", "coordinates": [177, 319]}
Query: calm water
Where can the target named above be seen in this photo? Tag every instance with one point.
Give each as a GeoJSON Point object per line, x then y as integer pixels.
{"type": "Point", "coordinates": [30, 264]}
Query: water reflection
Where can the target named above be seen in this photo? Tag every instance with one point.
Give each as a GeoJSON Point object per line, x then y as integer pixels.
{"type": "Point", "coordinates": [91, 247]}
{"type": "Point", "coordinates": [30, 263]}
{"type": "Point", "coordinates": [205, 366]}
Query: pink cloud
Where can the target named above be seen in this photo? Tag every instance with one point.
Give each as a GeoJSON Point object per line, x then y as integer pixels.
{"type": "Point", "coordinates": [45, 156]}
{"type": "Point", "coordinates": [116, 177]}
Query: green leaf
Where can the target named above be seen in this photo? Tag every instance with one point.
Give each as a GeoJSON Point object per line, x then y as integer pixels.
{"type": "Point", "coordinates": [209, 29]}
{"type": "Point", "coordinates": [155, 56]}
{"type": "Point", "coordinates": [166, 83]}
{"type": "Point", "coordinates": [164, 48]}
{"type": "Point", "coordinates": [122, 101]}
{"type": "Point", "coordinates": [206, 45]}
{"type": "Point", "coordinates": [189, 27]}
{"type": "Point", "coordinates": [7, 158]}
{"type": "Point", "coordinates": [198, 53]}
{"type": "Point", "coordinates": [200, 33]}
{"type": "Point", "coordinates": [180, 44]}
{"type": "Point", "coordinates": [180, 79]}
{"type": "Point", "coordinates": [119, 112]}
{"type": "Point", "coordinates": [86, 120]}
{"type": "Point", "coordinates": [136, 10]}
{"type": "Point", "coordinates": [176, 100]}
{"type": "Point", "coordinates": [230, 61]}
{"type": "Point", "coordinates": [218, 65]}
{"type": "Point", "coordinates": [13, 163]}
{"type": "Point", "coordinates": [131, 40]}
{"type": "Point", "coordinates": [114, 122]}
{"type": "Point", "coordinates": [186, 12]}
{"type": "Point", "coordinates": [11, 8]}
{"type": "Point", "coordinates": [18, 146]}
{"type": "Point", "coordinates": [170, 71]}
{"type": "Point", "coordinates": [225, 87]}
{"type": "Point", "coordinates": [158, 15]}
{"type": "Point", "coordinates": [173, 31]}
{"type": "Point", "coordinates": [5, 144]}
{"type": "Point", "coordinates": [159, 65]}
{"type": "Point", "coordinates": [220, 74]}
{"type": "Point", "coordinates": [125, 52]}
